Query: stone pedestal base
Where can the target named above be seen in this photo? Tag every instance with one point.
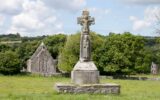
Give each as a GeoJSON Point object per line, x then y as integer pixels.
{"type": "Point", "coordinates": [88, 88]}
{"type": "Point", "coordinates": [85, 73]}
{"type": "Point", "coordinates": [85, 77]}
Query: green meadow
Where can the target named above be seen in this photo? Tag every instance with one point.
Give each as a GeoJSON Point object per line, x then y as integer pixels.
{"type": "Point", "coordinates": [42, 88]}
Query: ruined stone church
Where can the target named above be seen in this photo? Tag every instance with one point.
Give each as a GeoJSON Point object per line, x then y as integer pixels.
{"type": "Point", "coordinates": [154, 68]}
{"type": "Point", "coordinates": [41, 62]}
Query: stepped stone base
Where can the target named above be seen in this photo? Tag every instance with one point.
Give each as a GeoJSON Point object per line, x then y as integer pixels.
{"type": "Point", "coordinates": [88, 88]}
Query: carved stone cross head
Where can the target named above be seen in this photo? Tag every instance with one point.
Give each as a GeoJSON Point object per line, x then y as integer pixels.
{"type": "Point", "coordinates": [85, 21]}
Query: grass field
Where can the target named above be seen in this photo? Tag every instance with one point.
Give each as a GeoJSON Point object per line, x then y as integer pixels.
{"type": "Point", "coordinates": [41, 88]}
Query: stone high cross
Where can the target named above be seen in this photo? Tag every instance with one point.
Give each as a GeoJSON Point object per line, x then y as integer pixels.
{"type": "Point", "coordinates": [85, 21]}
{"type": "Point", "coordinates": [85, 75]}
{"type": "Point", "coordinates": [85, 46]}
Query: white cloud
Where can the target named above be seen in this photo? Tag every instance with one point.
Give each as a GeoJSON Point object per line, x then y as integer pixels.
{"type": "Point", "coordinates": [10, 7]}
{"type": "Point", "coordinates": [35, 18]}
{"type": "Point", "coordinates": [99, 10]}
{"type": "Point", "coordinates": [132, 18]}
{"type": "Point", "coordinates": [59, 25]}
{"type": "Point", "coordinates": [142, 1]}
{"type": "Point", "coordinates": [99, 13]}
{"type": "Point", "coordinates": [148, 20]}
{"type": "Point", "coordinates": [151, 13]}
{"type": "Point", "coordinates": [68, 5]}
{"type": "Point", "coordinates": [1, 20]}
{"type": "Point", "coordinates": [139, 24]}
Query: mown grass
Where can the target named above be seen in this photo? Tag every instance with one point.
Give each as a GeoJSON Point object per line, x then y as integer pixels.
{"type": "Point", "coordinates": [146, 75]}
{"type": "Point", "coordinates": [42, 88]}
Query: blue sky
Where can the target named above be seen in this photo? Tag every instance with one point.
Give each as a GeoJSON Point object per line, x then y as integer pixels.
{"type": "Point", "coordinates": [47, 17]}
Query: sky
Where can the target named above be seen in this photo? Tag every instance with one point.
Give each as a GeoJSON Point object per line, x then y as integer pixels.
{"type": "Point", "coordinates": [48, 17]}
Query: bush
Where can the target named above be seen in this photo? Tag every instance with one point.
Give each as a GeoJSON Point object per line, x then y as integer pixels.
{"type": "Point", "coordinates": [9, 63]}
{"type": "Point", "coordinates": [123, 54]}
{"type": "Point", "coordinates": [55, 43]}
{"type": "Point", "coordinates": [70, 53]}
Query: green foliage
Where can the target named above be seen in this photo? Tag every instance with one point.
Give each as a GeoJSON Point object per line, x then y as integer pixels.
{"type": "Point", "coordinates": [37, 38]}
{"type": "Point", "coordinates": [70, 53]}
{"type": "Point", "coordinates": [122, 53]}
{"type": "Point", "coordinates": [116, 53]}
{"type": "Point", "coordinates": [4, 47]}
{"type": "Point", "coordinates": [9, 62]}
{"type": "Point", "coordinates": [55, 43]}
{"type": "Point", "coordinates": [26, 50]}
{"type": "Point", "coordinates": [10, 37]}
{"type": "Point", "coordinates": [155, 51]}
{"type": "Point", "coordinates": [29, 45]}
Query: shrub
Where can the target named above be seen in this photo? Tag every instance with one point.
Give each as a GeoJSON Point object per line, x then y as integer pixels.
{"type": "Point", "coordinates": [9, 63]}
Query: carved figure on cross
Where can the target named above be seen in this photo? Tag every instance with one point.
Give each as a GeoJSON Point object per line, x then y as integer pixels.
{"type": "Point", "coordinates": [85, 21]}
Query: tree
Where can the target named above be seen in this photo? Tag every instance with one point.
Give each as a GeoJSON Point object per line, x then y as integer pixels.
{"type": "Point", "coordinates": [4, 47]}
{"type": "Point", "coordinates": [70, 53]}
{"type": "Point", "coordinates": [122, 53]}
{"type": "Point", "coordinates": [26, 50]}
{"type": "Point", "coordinates": [155, 49]}
{"type": "Point", "coordinates": [9, 63]}
{"type": "Point", "coordinates": [55, 43]}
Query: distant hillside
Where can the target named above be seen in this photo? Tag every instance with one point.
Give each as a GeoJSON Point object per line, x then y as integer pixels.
{"type": "Point", "coordinates": [16, 38]}
{"type": "Point", "coordinates": [10, 42]}
{"type": "Point", "coordinates": [10, 37]}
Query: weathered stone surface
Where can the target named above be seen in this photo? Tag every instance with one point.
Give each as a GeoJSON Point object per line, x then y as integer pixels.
{"type": "Point", "coordinates": [154, 69]}
{"type": "Point", "coordinates": [85, 66]}
{"type": "Point", "coordinates": [85, 76]}
{"type": "Point", "coordinates": [85, 43]}
{"type": "Point", "coordinates": [41, 62]}
{"type": "Point", "coordinates": [88, 88]}
{"type": "Point", "coordinates": [85, 71]}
